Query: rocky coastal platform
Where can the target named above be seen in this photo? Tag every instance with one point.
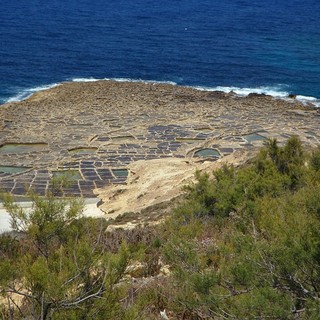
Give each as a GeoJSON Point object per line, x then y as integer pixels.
{"type": "Point", "coordinates": [104, 133]}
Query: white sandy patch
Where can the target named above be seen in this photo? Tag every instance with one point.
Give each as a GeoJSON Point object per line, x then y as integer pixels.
{"type": "Point", "coordinates": [156, 181]}
{"type": "Point", "coordinates": [90, 210]}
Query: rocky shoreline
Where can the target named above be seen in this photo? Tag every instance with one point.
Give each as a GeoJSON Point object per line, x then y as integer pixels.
{"type": "Point", "coordinates": [98, 131]}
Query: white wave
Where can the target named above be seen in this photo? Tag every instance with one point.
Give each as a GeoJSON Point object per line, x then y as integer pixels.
{"type": "Point", "coordinates": [122, 80]}
{"type": "Point", "coordinates": [26, 93]}
{"type": "Point", "coordinates": [307, 100]}
{"type": "Point", "coordinates": [86, 79]}
{"type": "Point", "coordinates": [144, 81]}
{"type": "Point", "coordinates": [276, 91]}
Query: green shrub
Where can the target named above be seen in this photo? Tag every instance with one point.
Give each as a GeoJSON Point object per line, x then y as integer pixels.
{"type": "Point", "coordinates": [245, 244]}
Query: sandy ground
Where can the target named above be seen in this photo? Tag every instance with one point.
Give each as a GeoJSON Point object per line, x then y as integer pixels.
{"type": "Point", "coordinates": [156, 182]}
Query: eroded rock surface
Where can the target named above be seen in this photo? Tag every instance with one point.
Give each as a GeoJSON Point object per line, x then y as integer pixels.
{"type": "Point", "coordinates": [157, 181]}
{"type": "Point", "coordinates": [105, 132]}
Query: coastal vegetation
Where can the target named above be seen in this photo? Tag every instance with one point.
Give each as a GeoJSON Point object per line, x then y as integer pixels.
{"type": "Point", "coordinates": [244, 243]}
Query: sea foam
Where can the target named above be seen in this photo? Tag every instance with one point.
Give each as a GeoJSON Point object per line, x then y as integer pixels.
{"type": "Point", "coordinates": [274, 91]}
{"type": "Point", "coordinates": [122, 80]}
{"type": "Point", "coordinates": [26, 93]}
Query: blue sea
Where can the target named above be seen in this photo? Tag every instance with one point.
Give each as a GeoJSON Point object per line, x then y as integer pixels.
{"type": "Point", "coordinates": [270, 46]}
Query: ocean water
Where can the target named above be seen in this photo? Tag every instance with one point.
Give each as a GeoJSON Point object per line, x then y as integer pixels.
{"type": "Point", "coordinates": [269, 46]}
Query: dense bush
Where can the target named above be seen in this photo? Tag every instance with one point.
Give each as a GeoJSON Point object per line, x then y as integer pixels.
{"type": "Point", "coordinates": [246, 243]}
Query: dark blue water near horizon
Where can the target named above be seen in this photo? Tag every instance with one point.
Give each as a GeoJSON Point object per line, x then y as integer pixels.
{"type": "Point", "coordinates": [267, 45]}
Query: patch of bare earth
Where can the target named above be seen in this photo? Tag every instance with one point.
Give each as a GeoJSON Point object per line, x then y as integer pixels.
{"type": "Point", "coordinates": [153, 187]}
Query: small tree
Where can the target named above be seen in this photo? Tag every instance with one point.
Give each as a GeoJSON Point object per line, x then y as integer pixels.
{"type": "Point", "coordinates": [62, 269]}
